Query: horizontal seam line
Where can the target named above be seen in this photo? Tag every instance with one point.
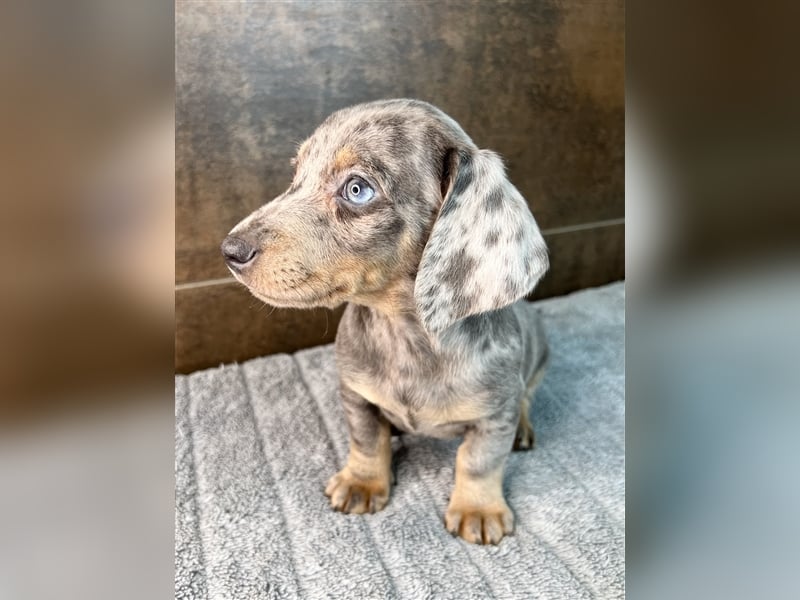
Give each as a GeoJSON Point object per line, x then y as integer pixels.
{"type": "Point", "coordinates": [203, 283]}
{"type": "Point", "coordinates": [582, 226]}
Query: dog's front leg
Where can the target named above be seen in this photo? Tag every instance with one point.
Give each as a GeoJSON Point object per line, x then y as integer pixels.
{"type": "Point", "coordinates": [364, 483]}
{"type": "Point", "coordinates": [478, 511]}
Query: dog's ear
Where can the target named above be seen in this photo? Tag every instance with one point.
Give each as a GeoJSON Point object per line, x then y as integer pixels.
{"type": "Point", "coordinates": [485, 250]}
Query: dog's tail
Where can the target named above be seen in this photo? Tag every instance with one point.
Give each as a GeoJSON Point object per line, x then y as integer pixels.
{"type": "Point", "coordinates": [541, 364]}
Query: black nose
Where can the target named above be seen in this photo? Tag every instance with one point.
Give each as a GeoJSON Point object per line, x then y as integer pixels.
{"type": "Point", "coordinates": [237, 252]}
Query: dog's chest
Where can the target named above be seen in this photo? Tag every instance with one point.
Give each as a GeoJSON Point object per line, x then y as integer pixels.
{"type": "Point", "coordinates": [420, 406]}
{"type": "Point", "coordinates": [418, 389]}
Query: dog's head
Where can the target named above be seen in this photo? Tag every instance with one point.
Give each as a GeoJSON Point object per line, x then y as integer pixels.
{"type": "Point", "coordinates": [391, 200]}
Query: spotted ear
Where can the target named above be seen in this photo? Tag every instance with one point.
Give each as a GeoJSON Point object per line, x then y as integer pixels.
{"type": "Point", "coordinates": [485, 250]}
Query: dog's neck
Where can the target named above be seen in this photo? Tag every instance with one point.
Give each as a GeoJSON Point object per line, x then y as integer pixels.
{"type": "Point", "coordinates": [395, 302]}
{"type": "Point", "coordinates": [394, 310]}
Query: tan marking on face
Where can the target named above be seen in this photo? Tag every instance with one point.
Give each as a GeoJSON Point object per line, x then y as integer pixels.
{"type": "Point", "coordinates": [376, 284]}
{"type": "Point", "coordinates": [344, 158]}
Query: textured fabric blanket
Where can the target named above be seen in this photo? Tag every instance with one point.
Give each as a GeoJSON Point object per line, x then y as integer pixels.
{"type": "Point", "coordinates": [256, 442]}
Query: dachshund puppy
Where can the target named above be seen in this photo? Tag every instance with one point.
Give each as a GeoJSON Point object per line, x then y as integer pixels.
{"type": "Point", "coordinates": [394, 210]}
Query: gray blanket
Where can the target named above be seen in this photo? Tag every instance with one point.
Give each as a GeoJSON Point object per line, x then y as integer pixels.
{"type": "Point", "coordinates": [256, 442]}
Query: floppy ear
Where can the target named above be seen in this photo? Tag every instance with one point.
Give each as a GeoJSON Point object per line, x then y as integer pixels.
{"type": "Point", "coordinates": [485, 250]}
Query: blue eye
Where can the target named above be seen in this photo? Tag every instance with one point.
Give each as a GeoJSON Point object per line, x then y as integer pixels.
{"type": "Point", "coordinates": [358, 191]}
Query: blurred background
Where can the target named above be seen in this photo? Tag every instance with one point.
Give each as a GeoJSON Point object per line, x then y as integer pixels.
{"type": "Point", "coordinates": [539, 82]}
{"type": "Point", "coordinates": [713, 300]}
{"type": "Point", "coordinates": [86, 300]}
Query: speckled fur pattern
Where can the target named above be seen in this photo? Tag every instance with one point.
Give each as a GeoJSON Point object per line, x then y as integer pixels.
{"type": "Point", "coordinates": [435, 339]}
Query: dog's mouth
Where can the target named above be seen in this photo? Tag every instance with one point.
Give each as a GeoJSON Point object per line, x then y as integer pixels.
{"type": "Point", "coordinates": [307, 292]}
{"type": "Point", "coordinates": [291, 300]}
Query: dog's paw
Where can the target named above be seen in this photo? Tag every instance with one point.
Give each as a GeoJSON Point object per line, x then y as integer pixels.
{"type": "Point", "coordinates": [479, 524]}
{"type": "Point", "coordinates": [356, 496]}
{"type": "Point", "coordinates": [524, 438]}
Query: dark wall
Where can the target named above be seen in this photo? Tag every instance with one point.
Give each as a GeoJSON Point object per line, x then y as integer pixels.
{"type": "Point", "coordinates": [539, 82]}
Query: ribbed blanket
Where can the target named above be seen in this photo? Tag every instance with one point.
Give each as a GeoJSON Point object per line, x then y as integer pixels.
{"type": "Point", "coordinates": [256, 442]}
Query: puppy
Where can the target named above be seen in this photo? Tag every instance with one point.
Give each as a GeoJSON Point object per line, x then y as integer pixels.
{"type": "Point", "coordinates": [394, 210]}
